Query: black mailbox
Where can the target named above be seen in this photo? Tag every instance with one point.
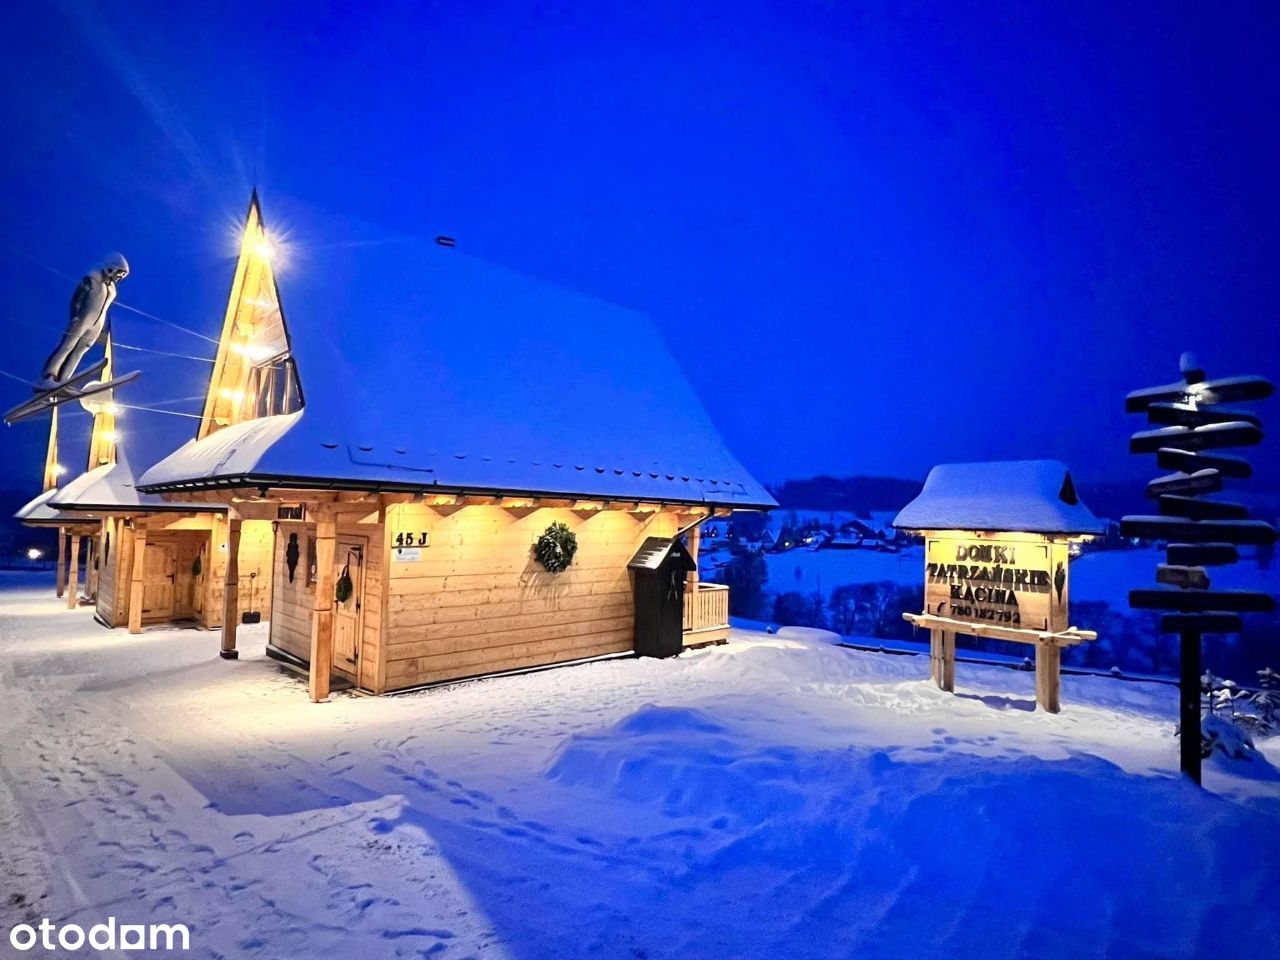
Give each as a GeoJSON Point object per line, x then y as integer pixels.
{"type": "Point", "coordinates": [660, 566]}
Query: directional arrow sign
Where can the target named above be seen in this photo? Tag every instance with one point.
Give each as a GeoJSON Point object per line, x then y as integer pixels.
{"type": "Point", "coordinates": [1198, 531]}
{"type": "Point", "coordinates": [1201, 601]}
{"type": "Point", "coordinates": [1177, 576]}
{"type": "Point", "coordinates": [1215, 435]}
{"type": "Point", "coordinates": [1193, 509]}
{"type": "Point", "coordinates": [1201, 623]}
{"type": "Point", "coordinates": [1224, 390]}
{"type": "Point", "coordinates": [1202, 481]}
{"type": "Point", "coordinates": [1202, 554]}
{"type": "Point", "coordinates": [1237, 468]}
{"type": "Point", "coordinates": [1192, 415]}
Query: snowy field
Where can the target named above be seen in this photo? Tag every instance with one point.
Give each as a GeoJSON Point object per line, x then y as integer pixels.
{"type": "Point", "coordinates": [776, 797]}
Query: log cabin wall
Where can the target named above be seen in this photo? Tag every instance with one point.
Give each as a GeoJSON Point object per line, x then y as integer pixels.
{"type": "Point", "coordinates": [116, 543]}
{"type": "Point", "coordinates": [476, 601]}
{"type": "Point", "coordinates": [293, 599]}
{"type": "Point", "coordinates": [256, 543]}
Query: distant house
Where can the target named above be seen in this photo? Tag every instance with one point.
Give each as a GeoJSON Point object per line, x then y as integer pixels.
{"type": "Point", "coordinates": [421, 421]}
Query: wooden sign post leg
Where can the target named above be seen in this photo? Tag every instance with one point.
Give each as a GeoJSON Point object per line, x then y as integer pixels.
{"type": "Point", "coordinates": [231, 588]}
{"type": "Point", "coordinates": [1048, 677]}
{"type": "Point", "coordinates": [1189, 705]}
{"type": "Point", "coordinates": [62, 562]}
{"type": "Point", "coordinates": [942, 658]}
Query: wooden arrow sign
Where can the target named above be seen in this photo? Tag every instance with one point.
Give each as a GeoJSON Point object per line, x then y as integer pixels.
{"type": "Point", "coordinates": [1193, 509]}
{"type": "Point", "coordinates": [1202, 554]}
{"type": "Point", "coordinates": [1197, 531]}
{"type": "Point", "coordinates": [1223, 390]}
{"type": "Point", "coordinates": [1186, 577]}
{"type": "Point", "coordinates": [1192, 415]}
{"type": "Point", "coordinates": [1202, 601]}
{"type": "Point", "coordinates": [1202, 481]}
{"type": "Point", "coordinates": [1213, 436]}
{"type": "Point", "coordinates": [1201, 623]}
{"type": "Point", "coordinates": [1168, 458]}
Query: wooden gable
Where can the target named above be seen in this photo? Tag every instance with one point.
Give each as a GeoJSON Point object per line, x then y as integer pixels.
{"type": "Point", "coordinates": [253, 374]}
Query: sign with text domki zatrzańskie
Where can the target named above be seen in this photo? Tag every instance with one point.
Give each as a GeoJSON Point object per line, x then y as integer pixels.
{"type": "Point", "coordinates": [997, 580]}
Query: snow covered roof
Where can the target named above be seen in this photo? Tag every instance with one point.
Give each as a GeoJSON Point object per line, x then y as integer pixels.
{"type": "Point", "coordinates": [41, 512]}
{"type": "Point", "coordinates": [425, 367]}
{"type": "Point", "coordinates": [1031, 496]}
{"type": "Point", "coordinates": [111, 487]}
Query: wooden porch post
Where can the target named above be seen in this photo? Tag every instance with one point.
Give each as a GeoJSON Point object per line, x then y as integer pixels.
{"type": "Point", "coordinates": [1048, 676]}
{"type": "Point", "coordinates": [695, 543]}
{"type": "Point", "coordinates": [942, 658]}
{"type": "Point", "coordinates": [231, 587]}
{"type": "Point", "coordinates": [136, 579]}
{"type": "Point", "coordinates": [73, 573]}
{"type": "Point", "coordinates": [322, 611]}
{"type": "Point", "coordinates": [61, 586]}
{"type": "Point", "coordinates": [91, 566]}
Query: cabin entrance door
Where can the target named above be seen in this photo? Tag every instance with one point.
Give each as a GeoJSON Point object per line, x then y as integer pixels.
{"type": "Point", "coordinates": [185, 581]}
{"type": "Point", "coordinates": [348, 615]}
{"type": "Point", "coordinates": [158, 571]}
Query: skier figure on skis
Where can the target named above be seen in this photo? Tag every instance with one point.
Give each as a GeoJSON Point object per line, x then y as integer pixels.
{"type": "Point", "coordinates": [96, 292]}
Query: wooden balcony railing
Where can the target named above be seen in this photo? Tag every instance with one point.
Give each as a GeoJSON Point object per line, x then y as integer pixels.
{"type": "Point", "coordinates": [706, 607]}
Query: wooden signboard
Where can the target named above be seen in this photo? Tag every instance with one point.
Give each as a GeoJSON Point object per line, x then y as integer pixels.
{"type": "Point", "coordinates": [1018, 583]}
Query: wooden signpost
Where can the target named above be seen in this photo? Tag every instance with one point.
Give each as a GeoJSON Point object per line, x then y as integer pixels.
{"type": "Point", "coordinates": [1198, 533]}
{"type": "Point", "coordinates": [997, 552]}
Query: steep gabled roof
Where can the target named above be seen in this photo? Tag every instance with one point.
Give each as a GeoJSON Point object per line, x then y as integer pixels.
{"type": "Point", "coordinates": [111, 488]}
{"type": "Point", "coordinates": [424, 367]}
{"type": "Point", "coordinates": [41, 512]}
{"type": "Point", "coordinates": [1026, 496]}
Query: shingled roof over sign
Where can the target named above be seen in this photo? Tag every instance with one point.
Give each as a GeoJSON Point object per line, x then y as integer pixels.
{"type": "Point", "coordinates": [1016, 496]}
{"type": "Point", "coordinates": [423, 367]}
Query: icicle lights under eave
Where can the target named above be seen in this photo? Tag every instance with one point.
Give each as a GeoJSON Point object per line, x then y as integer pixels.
{"type": "Point", "coordinates": [253, 374]}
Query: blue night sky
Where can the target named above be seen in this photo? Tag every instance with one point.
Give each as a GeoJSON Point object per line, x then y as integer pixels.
{"type": "Point", "coordinates": [876, 237]}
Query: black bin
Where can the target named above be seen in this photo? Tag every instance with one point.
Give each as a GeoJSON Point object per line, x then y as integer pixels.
{"type": "Point", "coordinates": [660, 567]}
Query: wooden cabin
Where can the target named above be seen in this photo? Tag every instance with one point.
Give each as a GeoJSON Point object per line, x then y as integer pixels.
{"type": "Point", "coordinates": [163, 561]}
{"type": "Point", "coordinates": [77, 530]}
{"type": "Point", "coordinates": [422, 419]}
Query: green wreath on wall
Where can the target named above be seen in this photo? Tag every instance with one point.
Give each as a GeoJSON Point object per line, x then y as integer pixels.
{"type": "Point", "coordinates": [556, 547]}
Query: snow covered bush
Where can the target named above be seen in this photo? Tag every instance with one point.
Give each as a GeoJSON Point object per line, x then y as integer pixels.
{"type": "Point", "coordinates": [1221, 734]}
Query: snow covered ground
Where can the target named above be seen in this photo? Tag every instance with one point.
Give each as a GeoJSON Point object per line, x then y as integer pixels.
{"type": "Point", "coordinates": [776, 797]}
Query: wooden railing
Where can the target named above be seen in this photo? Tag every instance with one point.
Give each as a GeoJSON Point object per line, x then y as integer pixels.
{"type": "Point", "coordinates": [706, 606]}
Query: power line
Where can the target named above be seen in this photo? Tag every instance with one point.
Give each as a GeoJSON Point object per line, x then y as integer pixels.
{"type": "Point", "coordinates": [118, 303]}
{"type": "Point", "coordinates": [171, 413]}
{"type": "Point", "coordinates": [163, 353]}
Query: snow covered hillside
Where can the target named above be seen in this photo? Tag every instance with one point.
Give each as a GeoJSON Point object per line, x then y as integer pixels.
{"type": "Point", "coordinates": [776, 797]}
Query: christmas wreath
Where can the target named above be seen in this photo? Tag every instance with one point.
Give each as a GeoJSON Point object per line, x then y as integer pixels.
{"type": "Point", "coordinates": [556, 547]}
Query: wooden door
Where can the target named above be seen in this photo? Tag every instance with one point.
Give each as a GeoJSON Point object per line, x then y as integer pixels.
{"type": "Point", "coordinates": [348, 616]}
{"type": "Point", "coordinates": [185, 582]}
{"type": "Point", "coordinates": [158, 569]}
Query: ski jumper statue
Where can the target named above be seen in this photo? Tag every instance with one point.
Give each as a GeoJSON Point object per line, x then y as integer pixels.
{"type": "Point", "coordinates": [88, 320]}
{"type": "Point", "coordinates": [62, 381]}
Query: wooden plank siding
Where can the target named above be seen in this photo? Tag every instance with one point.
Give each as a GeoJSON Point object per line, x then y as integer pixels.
{"type": "Point", "coordinates": [293, 602]}
{"type": "Point", "coordinates": [477, 602]}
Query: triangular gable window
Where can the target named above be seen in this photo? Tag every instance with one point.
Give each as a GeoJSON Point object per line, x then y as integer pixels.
{"type": "Point", "coordinates": [254, 375]}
